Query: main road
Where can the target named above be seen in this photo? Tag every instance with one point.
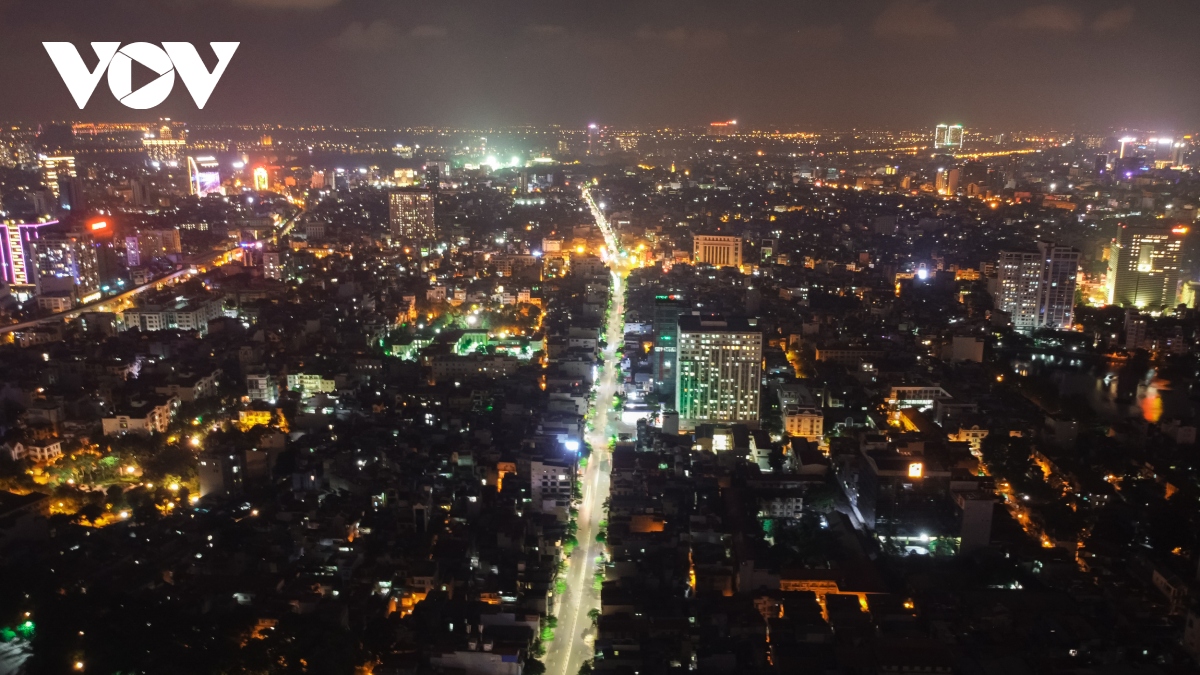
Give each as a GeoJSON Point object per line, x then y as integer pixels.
{"type": "Point", "coordinates": [572, 643]}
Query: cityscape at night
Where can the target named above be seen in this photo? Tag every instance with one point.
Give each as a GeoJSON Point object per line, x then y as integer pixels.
{"type": "Point", "coordinates": [518, 339]}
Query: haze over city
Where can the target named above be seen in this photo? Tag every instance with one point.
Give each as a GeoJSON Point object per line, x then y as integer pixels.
{"type": "Point", "coordinates": [770, 63]}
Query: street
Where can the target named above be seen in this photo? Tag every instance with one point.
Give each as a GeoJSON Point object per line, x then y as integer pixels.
{"type": "Point", "coordinates": [570, 649]}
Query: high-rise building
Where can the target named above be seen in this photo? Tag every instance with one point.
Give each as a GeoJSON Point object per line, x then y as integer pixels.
{"type": "Point", "coordinates": [948, 136]}
{"type": "Point", "coordinates": [411, 214]}
{"type": "Point", "coordinates": [204, 177]}
{"type": "Point", "coordinates": [54, 169]}
{"type": "Point", "coordinates": [1020, 278]}
{"type": "Point", "coordinates": [1037, 288]}
{"type": "Point", "coordinates": [1179, 152]}
{"type": "Point", "coordinates": [151, 244]}
{"type": "Point", "coordinates": [262, 181]}
{"type": "Point", "coordinates": [716, 250]}
{"type": "Point", "coordinates": [953, 177]}
{"type": "Point", "coordinates": [722, 128]}
{"type": "Point", "coordinates": [593, 139]}
{"type": "Point", "coordinates": [17, 264]}
{"type": "Point", "coordinates": [666, 346]}
{"type": "Point", "coordinates": [71, 196]}
{"type": "Point", "coordinates": [67, 258]}
{"type": "Point", "coordinates": [1143, 266]}
{"type": "Point", "coordinates": [719, 378]}
{"type": "Point", "coordinates": [1060, 271]}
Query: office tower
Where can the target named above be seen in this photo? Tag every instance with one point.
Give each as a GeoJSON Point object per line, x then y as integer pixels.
{"type": "Point", "coordinates": [1037, 288]}
{"type": "Point", "coordinates": [1143, 266]}
{"type": "Point", "coordinates": [54, 169]}
{"type": "Point", "coordinates": [666, 341]}
{"type": "Point", "coordinates": [1126, 143]}
{"type": "Point", "coordinates": [70, 195]}
{"type": "Point", "coordinates": [593, 139]}
{"type": "Point", "coordinates": [1180, 151]}
{"type": "Point", "coordinates": [1101, 165]}
{"type": "Point", "coordinates": [948, 136]}
{"type": "Point", "coordinates": [411, 214]}
{"type": "Point", "coordinates": [17, 266]}
{"type": "Point", "coordinates": [718, 251]}
{"type": "Point", "coordinates": [318, 180]}
{"type": "Point", "coordinates": [433, 174]}
{"type": "Point", "coordinates": [722, 128]}
{"type": "Point", "coordinates": [953, 176]}
{"type": "Point", "coordinates": [204, 178]}
{"type": "Point", "coordinates": [720, 369]}
{"type": "Point", "coordinates": [335, 177]}
{"type": "Point", "coordinates": [262, 182]}
{"type": "Point", "coordinates": [67, 259]}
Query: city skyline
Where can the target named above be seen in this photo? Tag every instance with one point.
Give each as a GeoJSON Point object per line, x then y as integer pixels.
{"type": "Point", "coordinates": [659, 338]}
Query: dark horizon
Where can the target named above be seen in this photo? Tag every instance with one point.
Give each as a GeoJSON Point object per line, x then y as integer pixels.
{"type": "Point", "coordinates": [897, 63]}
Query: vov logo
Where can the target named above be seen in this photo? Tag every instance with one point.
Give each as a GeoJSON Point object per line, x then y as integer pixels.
{"type": "Point", "coordinates": [167, 60]}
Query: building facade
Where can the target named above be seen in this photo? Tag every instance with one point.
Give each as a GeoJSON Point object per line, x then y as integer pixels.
{"type": "Point", "coordinates": [1037, 288]}
{"type": "Point", "coordinates": [716, 250]}
{"type": "Point", "coordinates": [719, 378]}
{"type": "Point", "coordinates": [1143, 266]}
{"type": "Point", "coordinates": [411, 214]}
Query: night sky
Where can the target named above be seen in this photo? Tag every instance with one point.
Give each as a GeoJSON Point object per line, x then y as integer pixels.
{"type": "Point", "coordinates": [770, 64]}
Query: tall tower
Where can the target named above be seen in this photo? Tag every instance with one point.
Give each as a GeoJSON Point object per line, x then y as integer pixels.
{"type": "Point", "coordinates": [1056, 302]}
{"type": "Point", "coordinates": [1143, 266]}
{"type": "Point", "coordinates": [55, 169]}
{"type": "Point", "coordinates": [411, 214]}
{"type": "Point", "coordinates": [666, 346]}
{"type": "Point", "coordinates": [719, 378]}
{"type": "Point", "coordinates": [1037, 288]}
{"type": "Point", "coordinates": [593, 139]}
{"type": "Point", "coordinates": [1020, 276]}
{"type": "Point", "coordinates": [946, 136]}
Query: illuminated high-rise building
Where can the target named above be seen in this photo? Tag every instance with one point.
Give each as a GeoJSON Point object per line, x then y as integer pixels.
{"type": "Point", "coordinates": [719, 378]}
{"type": "Point", "coordinates": [1180, 150]}
{"type": "Point", "coordinates": [1037, 288]}
{"type": "Point", "coordinates": [594, 134]}
{"type": "Point", "coordinates": [1020, 277]}
{"type": "Point", "coordinates": [717, 250]}
{"type": "Point", "coordinates": [1060, 272]}
{"type": "Point", "coordinates": [55, 169]}
{"type": "Point", "coordinates": [728, 128]}
{"type": "Point", "coordinates": [17, 265]}
{"type": "Point", "coordinates": [666, 346]}
{"type": "Point", "coordinates": [411, 214]}
{"type": "Point", "coordinates": [262, 181]}
{"type": "Point", "coordinates": [1143, 266]}
{"type": "Point", "coordinates": [204, 176]}
{"type": "Point", "coordinates": [948, 136]}
{"type": "Point", "coordinates": [70, 258]}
